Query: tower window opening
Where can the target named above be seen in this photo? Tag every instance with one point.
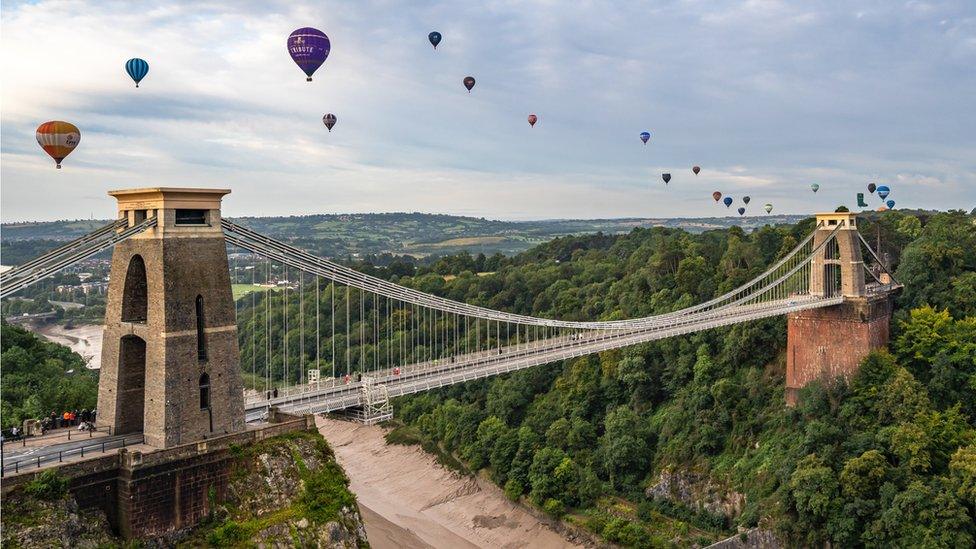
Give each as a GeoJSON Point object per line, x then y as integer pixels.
{"type": "Point", "coordinates": [201, 336]}
{"type": "Point", "coordinates": [191, 217]}
{"type": "Point", "coordinates": [204, 392]}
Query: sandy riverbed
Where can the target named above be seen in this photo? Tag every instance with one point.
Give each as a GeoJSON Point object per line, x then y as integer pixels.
{"type": "Point", "coordinates": [408, 500]}
{"type": "Point", "coordinates": [85, 339]}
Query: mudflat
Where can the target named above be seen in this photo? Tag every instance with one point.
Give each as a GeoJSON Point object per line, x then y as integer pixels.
{"type": "Point", "coordinates": [409, 500]}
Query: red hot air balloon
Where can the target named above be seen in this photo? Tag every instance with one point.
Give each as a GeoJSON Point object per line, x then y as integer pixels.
{"type": "Point", "coordinates": [533, 119]}
{"type": "Point", "coordinates": [469, 82]}
{"type": "Point", "coordinates": [717, 196]}
{"type": "Point", "coordinates": [58, 139]}
{"type": "Point", "coordinates": [696, 169]}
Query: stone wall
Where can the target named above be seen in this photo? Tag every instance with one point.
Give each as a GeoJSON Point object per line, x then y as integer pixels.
{"type": "Point", "coordinates": [146, 495]}
{"type": "Point", "coordinates": [831, 342]}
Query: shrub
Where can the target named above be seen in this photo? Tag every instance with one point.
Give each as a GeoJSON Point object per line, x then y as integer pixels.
{"type": "Point", "coordinates": [48, 485]}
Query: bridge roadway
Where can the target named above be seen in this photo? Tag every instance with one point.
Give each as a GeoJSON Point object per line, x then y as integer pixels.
{"type": "Point", "coordinates": [330, 396]}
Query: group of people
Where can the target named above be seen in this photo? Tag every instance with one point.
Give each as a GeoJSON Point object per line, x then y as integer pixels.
{"type": "Point", "coordinates": [84, 419]}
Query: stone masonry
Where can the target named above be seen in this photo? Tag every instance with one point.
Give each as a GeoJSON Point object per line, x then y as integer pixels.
{"type": "Point", "coordinates": [170, 355]}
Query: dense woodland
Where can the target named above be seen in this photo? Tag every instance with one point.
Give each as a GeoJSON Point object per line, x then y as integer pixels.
{"type": "Point", "coordinates": [888, 459]}
{"type": "Point", "coordinates": [40, 377]}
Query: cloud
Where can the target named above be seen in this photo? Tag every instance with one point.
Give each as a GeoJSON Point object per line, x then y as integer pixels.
{"type": "Point", "coordinates": [767, 96]}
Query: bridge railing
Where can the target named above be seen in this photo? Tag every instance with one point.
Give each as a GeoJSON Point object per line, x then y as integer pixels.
{"type": "Point", "coordinates": [55, 455]}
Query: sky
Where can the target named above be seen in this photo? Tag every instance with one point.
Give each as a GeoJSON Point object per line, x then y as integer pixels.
{"type": "Point", "coordinates": [766, 96]}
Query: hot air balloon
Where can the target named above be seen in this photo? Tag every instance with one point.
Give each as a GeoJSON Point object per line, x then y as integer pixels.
{"type": "Point", "coordinates": [137, 69]}
{"type": "Point", "coordinates": [860, 201]}
{"type": "Point", "coordinates": [308, 48]}
{"type": "Point", "coordinates": [435, 38]}
{"type": "Point", "coordinates": [717, 196]}
{"type": "Point", "coordinates": [329, 120]}
{"type": "Point", "coordinates": [58, 139]}
{"type": "Point", "coordinates": [746, 199]}
{"type": "Point", "coordinates": [814, 187]}
{"type": "Point", "coordinates": [696, 169]}
{"type": "Point", "coordinates": [469, 82]}
{"type": "Point", "coordinates": [645, 136]}
{"type": "Point", "coordinates": [728, 201]}
{"type": "Point", "coordinates": [883, 191]}
{"type": "Point", "coordinates": [533, 119]}
{"type": "Point", "coordinates": [741, 211]}
{"type": "Point", "coordinates": [666, 177]}
{"type": "Point", "coordinates": [768, 207]}
{"type": "Point", "coordinates": [890, 204]}
{"type": "Point", "coordinates": [872, 187]}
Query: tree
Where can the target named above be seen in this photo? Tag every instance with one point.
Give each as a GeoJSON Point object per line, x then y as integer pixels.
{"type": "Point", "coordinates": [623, 448]}
{"type": "Point", "coordinates": [923, 515]}
{"type": "Point", "coordinates": [542, 474]}
{"type": "Point", "coordinates": [813, 488]}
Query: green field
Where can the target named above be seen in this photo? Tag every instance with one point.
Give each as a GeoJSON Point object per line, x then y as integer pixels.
{"type": "Point", "coordinates": [241, 290]}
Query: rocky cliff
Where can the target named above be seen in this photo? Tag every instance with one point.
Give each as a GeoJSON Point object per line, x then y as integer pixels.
{"type": "Point", "coordinates": [698, 492]}
{"type": "Point", "coordinates": [285, 491]}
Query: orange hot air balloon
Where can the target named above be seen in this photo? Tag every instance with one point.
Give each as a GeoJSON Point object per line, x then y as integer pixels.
{"type": "Point", "coordinates": [58, 139]}
{"type": "Point", "coordinates": [717, 196]}
{"type": "Point", "coordinates": [533, 119]}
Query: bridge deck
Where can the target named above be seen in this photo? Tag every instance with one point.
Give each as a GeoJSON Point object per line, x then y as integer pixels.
{"type": "Point", "coordinates": [333, 396]}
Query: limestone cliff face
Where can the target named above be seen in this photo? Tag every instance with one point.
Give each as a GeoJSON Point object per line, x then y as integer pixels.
{"type": "Point", "coordinates": [698, 492]}
{"type": "Point", "coordinates": [285, 491]}
{"type": "Point", "coordinates": [52, 519]}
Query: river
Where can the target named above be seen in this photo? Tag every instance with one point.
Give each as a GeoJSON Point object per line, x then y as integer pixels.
{"type": "Point", "coordinates": [85, 339]}
{"type": "Point", "coordinates": [408, 500]}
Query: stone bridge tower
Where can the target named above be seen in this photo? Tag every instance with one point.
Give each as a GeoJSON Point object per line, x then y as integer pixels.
{"type": "Point", "coordinates": [830, 342]}
{"type": "Point", "coordinates": [169, 356]}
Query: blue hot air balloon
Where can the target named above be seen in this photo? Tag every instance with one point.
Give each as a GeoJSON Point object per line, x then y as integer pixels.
{"type": "Point", "coordinates": [435, 38]}
{"type": "Point", "coordinates": [137, 69]}
{"type": "Point", "coordinates": [308, 48]}
{"type": "Point", "coordinates": [742, 211]}
{"type": "Point", "coordinates": [728, 201]}
{"type": "Point", "coordinates": [645, 136]}
{"type": "Point", "coordinates": [890, 204]}
{"type": "Point", "coordinates": [883, 191]}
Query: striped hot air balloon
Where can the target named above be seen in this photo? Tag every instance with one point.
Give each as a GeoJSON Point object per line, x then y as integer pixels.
{"type": "Point", "coordinates": [137, 69]}
{"type": "Point", "coordinates": [58, 139]}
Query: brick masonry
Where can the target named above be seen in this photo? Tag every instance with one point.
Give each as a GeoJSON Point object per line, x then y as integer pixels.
{"type": "Point", "coordinates": [153, 494]}
{"type": "Point", "coordinates": [824, 344]}
{"type": "Point", "coordinates": [151, 368]}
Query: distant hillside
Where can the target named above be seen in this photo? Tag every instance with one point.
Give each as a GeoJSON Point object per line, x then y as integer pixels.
{"type": "Point", "coordinates": [339, 235]}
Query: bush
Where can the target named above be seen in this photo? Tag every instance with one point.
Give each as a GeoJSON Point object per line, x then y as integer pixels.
{"type": "Point", "coordinates": [514, 489]}
{"type": "Point", "coordinates": [326, 494]}
{"type": "Point", "coordinates": [554, 508]}
{"type": "Point", "coordinates": [227, 534]}
{"type": "Point", "coordinates": [48, 485]}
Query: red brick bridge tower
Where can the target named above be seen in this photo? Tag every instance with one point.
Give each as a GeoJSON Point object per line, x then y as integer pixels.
{"type": "Point", "coordinates": [830, 342]}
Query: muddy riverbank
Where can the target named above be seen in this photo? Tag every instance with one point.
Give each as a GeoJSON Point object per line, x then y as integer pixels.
{"type": "Point", "coordinates": [410, 500]}
{"type": "Point", "coordinates": [84, 339]}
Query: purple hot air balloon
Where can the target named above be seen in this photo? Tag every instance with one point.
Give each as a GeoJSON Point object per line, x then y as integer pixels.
{"type": "Point", "coordinates": [309, 48]}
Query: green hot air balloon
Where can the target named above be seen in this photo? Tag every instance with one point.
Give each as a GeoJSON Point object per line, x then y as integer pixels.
{"type": "Point", "coordinates": [746, 199]}
{"type": "Point", "coordinates": [814, 187]}
{"type": "Point", "coordinates": [768, 207]}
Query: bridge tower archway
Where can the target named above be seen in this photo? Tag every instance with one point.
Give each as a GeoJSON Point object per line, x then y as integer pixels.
{"type": "Point", "coordinates": [829, 343]}
{"type": "Point", "coordinates": [170, 322]}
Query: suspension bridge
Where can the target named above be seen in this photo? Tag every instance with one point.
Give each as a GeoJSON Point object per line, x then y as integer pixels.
{"type": "Point", "coordinates": [323, 337]}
